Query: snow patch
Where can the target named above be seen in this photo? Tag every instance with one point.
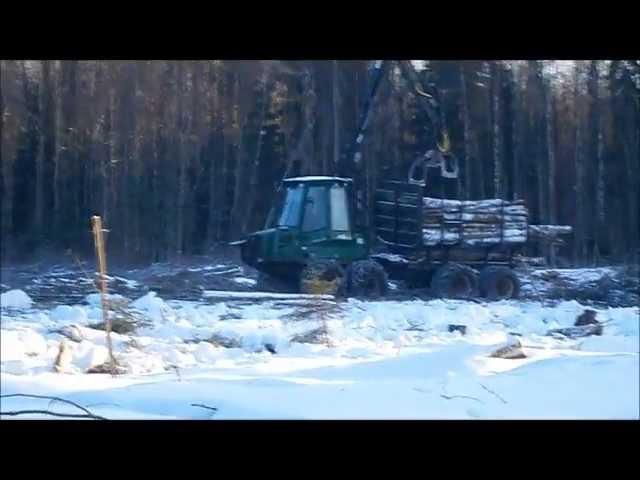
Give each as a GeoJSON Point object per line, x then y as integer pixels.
{"type": "Point", "coordinates": [68, 315]}
{"type": "Point", "coordinates": [94, 299]}
{"type": "Point", "coordinates": [383, 359]}
{"type": "Point", "coordinates": [245, 281]}
{"type": "Point", "coordinates": [86, 354]}
{"type": "Point", "coordinates": [15, 299]}
{"type": "Point", "coordinates": [19, 344]}
{"type": "Point", "coordinates": [154, 307]}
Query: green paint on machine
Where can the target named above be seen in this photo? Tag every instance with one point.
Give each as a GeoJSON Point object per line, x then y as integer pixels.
{"type": "Point", "coordinates": [312, 220]}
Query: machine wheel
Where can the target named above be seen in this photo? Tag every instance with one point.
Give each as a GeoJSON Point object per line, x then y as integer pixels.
{"type": "Point", "coordinates": [455, 281]}
{"type": "Point", "coordinates": [324, 277]}
{"type": "Point", "coordinates": [499, 283]}
{"type": "Point", "coordinates": [270, 283]}
{"type": "Point", "coordinates": [367, 278]}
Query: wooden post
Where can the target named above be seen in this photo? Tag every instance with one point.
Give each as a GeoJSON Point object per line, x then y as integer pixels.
{"type": "Point", "coordinates": [102, 267]}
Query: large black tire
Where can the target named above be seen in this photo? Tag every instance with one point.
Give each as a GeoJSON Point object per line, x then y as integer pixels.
{"type": "Point", "coordinates": [367, 279]}
{"type": "Point", "coordinates": [453, 280]}
{"type": "Point", "coordinates": [322, 277]}
{"type": "Point", "coordinates": [270, 283]}
{"type": "Point", "coordinates": [499, 283]}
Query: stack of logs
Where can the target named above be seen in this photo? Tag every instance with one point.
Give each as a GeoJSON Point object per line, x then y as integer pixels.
{"type": "Point", "coordinates": [482, 223]}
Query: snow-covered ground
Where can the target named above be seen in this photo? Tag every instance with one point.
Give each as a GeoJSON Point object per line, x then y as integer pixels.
{"type": "Point", "coordinates": [377, 360]}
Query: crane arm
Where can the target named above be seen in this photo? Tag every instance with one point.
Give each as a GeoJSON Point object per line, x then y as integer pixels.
{"type": "Point", "coordinates": [437, 156]}
{"type": "Point", "coordinates": [428, 100]}
{"type": "Point", "coordinates": [354, 156]}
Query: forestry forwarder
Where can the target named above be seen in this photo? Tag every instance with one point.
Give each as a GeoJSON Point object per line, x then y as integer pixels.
{"type": "Point", "coordinates": [316, 234]}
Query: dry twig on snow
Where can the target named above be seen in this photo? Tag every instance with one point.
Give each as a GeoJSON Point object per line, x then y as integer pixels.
{"type": "Point", "coordinates": [202, 405]}
{"type": "Point", "coordinates": [493, 393]}
{"type": "Point", "coordinates": [86, 413]}
{"type": "Point", "coordinates": [451, 397]}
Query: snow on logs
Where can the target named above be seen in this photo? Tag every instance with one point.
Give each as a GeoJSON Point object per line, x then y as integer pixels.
{"type": "Point", "coordinates": [482, 222]}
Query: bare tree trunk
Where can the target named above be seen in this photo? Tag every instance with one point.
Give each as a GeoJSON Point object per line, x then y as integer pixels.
{"type": "Point", "coordinates": [516, 170]}
{"type": "Point", "coordinates": [183, 159]}
{"type": "Point", "coordinates": [322, 134]}
{"type": "Point", "coordinates": [214, 127]}
{"type": "Point", "coordinates": [225, 184]}
{"type": "Point", "coordinates": [631, 155]}
{"type": "Point", "coordinates": [336, 114]}
{"type": "Point", "coordinates": [496, 79]}
{"type": "Point", "coordinates": [38, 215]}
{"type": "Point", "coordinates": [265, 87]}
{"type": "Point", "coordinates": [469, 157]}
{"type": "Point", "coordinates": [600, 196]}
{"type": "Point", "coordinates": [223, 207]}
{"type": "Point", "coordinates": [579, 250]}
{"type": "Point", "coordinates": [551, 156]}
{"type": "Point", "coordinates": [398, 118]}
{"type": "Point", "coordinates": [198, 135]}
{"type": "Point", "coordinates": [213, 207]}
{"type": "Point", "coordinates": [127, 132]}
{"type": "Point", "coordinates": [60, 145]}
{"type": "Point", "coordinates": [240, 169]}
{"type": "Point", "coordinates": [579, 181]}
{"type": "Point", "coordinates": [600, 184]}
{"type": "Point", "coordinates": [109, 140]}
{"type": "Point", "coordinates": [537, 135]}
{"type": "Point", "coordinates": [115, 175]}
{"type": "Point", "coordinates": [591, 168]}
{"type": "Point", "coordinates": [6, 167]}
{"type": "Point", "coordinates": [507, 91]}
{"type": "Point", "coordinates": [310, 106]}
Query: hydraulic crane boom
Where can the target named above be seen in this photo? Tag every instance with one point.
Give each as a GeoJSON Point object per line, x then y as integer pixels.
{"type": "Point", "coordinates": [429, 100]}
{"type": "Point", "coordinates": [437, 155]}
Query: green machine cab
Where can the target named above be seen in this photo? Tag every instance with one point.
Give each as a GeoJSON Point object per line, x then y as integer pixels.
{"type": "Point", "coordinates": [312, 220]}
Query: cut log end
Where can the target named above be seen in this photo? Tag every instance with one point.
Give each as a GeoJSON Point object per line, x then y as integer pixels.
{"type": "Point", "coordinates": [511, 351]}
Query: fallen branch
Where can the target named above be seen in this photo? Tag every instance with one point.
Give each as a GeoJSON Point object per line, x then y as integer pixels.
{"type": "Point", "coordinates": [450, 397]}
{"type": "Point", "coordinates": [206, 407]}
{"type": "Point", "coordinates": [53, 414]}
{"type": "Point", "coordinates": [493, 393]}
{"type": "Point", "coordinates": [104, 404]}
{"type": "Point", "coordinates": [87, 413]}
{"type": "Point", "coordinates": [47, 397]}
{"type": "Point", "coordinates": [202, 405]}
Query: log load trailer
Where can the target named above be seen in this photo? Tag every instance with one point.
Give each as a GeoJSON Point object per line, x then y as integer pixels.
{"type": "Point", "coordinates": [317, 236]}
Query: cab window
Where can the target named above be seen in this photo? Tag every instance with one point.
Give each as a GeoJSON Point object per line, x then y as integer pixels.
{"type": "Point", "coordinates": [316, 210]}
{"type": "Point", "coordinates": [339, 208]}
{"type": "Point", "coordinates": [292, 206]}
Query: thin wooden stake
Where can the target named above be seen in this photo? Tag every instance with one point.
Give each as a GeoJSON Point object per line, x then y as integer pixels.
{"type": "Point", "coordinates": [102, 266]}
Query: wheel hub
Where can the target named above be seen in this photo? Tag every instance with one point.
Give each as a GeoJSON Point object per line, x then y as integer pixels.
{"type": "Point", "coordinates": [504, 288]}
